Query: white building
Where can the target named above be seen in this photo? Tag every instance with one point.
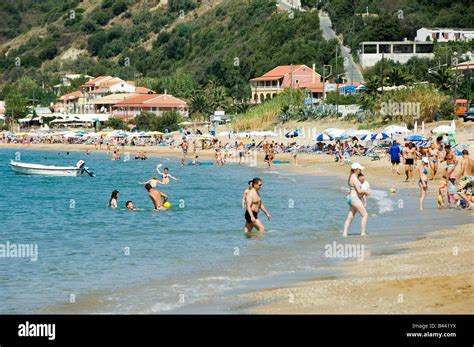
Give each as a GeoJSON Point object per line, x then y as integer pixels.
{"type": "Point", "coordinates": [444, 34]}
{"type": "Point", "coordinates": [371, 52]}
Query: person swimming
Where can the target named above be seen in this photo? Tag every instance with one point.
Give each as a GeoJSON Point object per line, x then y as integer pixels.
{"type": "Point", "coordinates": [166, 176]}
{"type": "Point", "coordinates": [158, 198]}
{"type": "Point", "coordinates": [113, 199]}
{"type": "Point", "coordinates": [154, 181]}
{"type": "Point", "coordinates": [129, 205]}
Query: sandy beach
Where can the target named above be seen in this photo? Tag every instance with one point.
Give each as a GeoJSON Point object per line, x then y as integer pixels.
{"type": "Point", "coordinates": [434, 274]}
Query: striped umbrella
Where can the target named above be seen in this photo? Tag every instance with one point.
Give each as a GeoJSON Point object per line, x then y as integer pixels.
{"type": "Point", "coordinates": [380, 136]}
{"type": "Point", "coordinates": [324, 137]}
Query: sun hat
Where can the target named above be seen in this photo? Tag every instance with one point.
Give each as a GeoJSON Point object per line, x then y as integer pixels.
{"type": "Point", "coordinates": [356, 166]}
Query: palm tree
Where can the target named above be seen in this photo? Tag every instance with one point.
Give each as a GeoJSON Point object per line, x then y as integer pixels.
{"type": "Point", "coordinates": [398, 76]}
{"type": "Point", "coordinates": [199, 103]}
{"type": "Point", "coordinates": [372, 84]}
{"type": "Point", "coordinates": [443, 78]}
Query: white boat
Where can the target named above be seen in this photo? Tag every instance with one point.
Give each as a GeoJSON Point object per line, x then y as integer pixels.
{"type": "Point", "coordinates": [49, 170]}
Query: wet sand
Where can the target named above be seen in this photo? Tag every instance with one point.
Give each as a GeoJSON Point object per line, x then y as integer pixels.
{"type": "Point", "coordinates": [433, 275]}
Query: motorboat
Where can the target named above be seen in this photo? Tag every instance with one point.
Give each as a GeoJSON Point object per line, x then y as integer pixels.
{"type": "Point", "coordinates": [50, 170]}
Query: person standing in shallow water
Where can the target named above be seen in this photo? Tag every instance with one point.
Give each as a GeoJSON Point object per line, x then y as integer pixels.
{"type": "Point", "coordinates": [423, 180]}
{"type": "Point", "coordinates": [254, 204]}
{"type": "Point", "coordinates": [354, 201]}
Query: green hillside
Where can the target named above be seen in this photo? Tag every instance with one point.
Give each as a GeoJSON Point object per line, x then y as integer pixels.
{"type": "Point", "coordinates": [171, 48]}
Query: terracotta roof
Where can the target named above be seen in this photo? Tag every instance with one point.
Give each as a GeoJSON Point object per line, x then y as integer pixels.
{"type": "Point", "coordinates": [278, 72]}
{"type": "Point", "coordinates": [99, 91]}
{"type": "Point", "coordinates": [152, 100]}
{"type": "Point", "coordinates": [143, 90]}
{"type": "Point", "coordinates": [71, 96]}
{"type": "Point", "coordinates": [96, 81]}
{"type": "Point", "coordinates": [111, 82]}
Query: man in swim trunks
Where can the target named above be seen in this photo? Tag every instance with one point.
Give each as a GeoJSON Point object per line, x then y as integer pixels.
{"type": "Point", "coordinates": [254, 204]}
{"type": "Point", "coordinates": [409, 154]}
{"type": "Point", "coordinates": [158, 198]}
{"type": "Point", "coordinates": [450, 159]}
{"type": "Point", "coordinates": [465, 187]}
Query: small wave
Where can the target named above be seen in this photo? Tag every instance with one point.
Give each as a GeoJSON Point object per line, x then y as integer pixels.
{"type": "Point", "coordinates": [384, 203]}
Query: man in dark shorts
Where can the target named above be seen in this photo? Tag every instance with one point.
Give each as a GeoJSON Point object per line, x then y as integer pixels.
{"type": "Point", "coordinates": [409, 154]}
{"type": "Point", "coordinates": [254, 204]}
{"type": "Point", "coordinates": [394, 152]}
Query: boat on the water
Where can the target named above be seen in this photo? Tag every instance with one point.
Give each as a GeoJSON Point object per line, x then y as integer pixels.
{"type": "Point", "coordinates": [50, 170]}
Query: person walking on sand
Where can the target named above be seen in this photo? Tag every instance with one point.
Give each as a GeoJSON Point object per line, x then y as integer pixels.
{"type": "Point", "coordinates": [434, 157]}
{"type": "Point", "coordinates": [394, 152]}
{"type": "Point", "coordinates": [423, 180]}
{"type": "Point", "coordinates": [409, 154]}
{"type": "Point", "coordinates": [466, 175]}
{"type": "Point", "coordinates": [254, 204]}
{"type": "Point", "coordinates": [158, 198]}
{"type": "Point", "coordinates": [354, 202]}
{"type": "Point", "coordinates": [113, 199]}
{"type": "Point", "coordinates": [450, 159]}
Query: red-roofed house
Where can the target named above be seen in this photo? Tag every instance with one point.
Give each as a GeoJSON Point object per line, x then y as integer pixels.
{"type": "Point", "coordinates": [286, 76]}
{"type": "Point", "coordinates": [154, 103]}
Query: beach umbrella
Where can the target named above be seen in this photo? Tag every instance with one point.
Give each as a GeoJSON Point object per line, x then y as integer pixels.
{"type": "Point", "coordinates": [362, 132]}
{"type": "Point", "coordinates": [291, 134]}
{"type": "Point", "coordinates": [348, 133]}
{"type": "Point", "coordinates": [324, 137]}
{"type": "Point", "coordinates": [154, 133]}
{"type": "Point", "coordinates": [445, 129]}
{"type": "Point", "coordinates": [367, 137]}
{"type": "Point", "coordinates": [396, 129]}
{"type": "Point", "coordinates": [334, 132]}
{"type": "Point", "coordinates": [415, 138]}
{"type": "Point", "coordinates": [380, 136]}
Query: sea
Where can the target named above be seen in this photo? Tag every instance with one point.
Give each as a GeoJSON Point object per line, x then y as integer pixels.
{"type": "Point", "coordinates": [193, 257]}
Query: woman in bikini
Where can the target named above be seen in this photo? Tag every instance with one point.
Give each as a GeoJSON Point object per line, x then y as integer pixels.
{"type": "Point", "coordinates": [354, 201]}
{"type": "Point", "coordinates": [434, 157]}
{"type": "Point", "coordinates": [423, 181]}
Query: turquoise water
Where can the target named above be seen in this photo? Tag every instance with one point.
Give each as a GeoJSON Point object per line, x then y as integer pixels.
{"type": "Point", "coordinates": [194, 252]}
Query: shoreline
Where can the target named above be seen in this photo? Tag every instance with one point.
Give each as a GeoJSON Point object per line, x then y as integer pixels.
{"type": "Point", "coordinates": [434, 274]}
{"type": "Point", "coordinates": [370, 286]}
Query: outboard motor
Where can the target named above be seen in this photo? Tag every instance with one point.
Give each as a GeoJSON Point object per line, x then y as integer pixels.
{"type": "Point", "coordinates": [80, 165]}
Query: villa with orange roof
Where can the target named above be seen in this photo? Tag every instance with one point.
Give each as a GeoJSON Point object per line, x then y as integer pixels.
{"type": "Point", "coordinates": [278, 79]}
{"type": "Point", "coordinates": [154, 103]}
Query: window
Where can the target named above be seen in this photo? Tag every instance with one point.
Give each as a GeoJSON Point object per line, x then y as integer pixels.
{"type": "Point", "coordinates": [369, 49]}
{"type": "Point", "coordinates": [384, 48]}
{"type": "Point", "coordinates": [424, 48]}
{"type": "Point", "coordinates": [403, 48]}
